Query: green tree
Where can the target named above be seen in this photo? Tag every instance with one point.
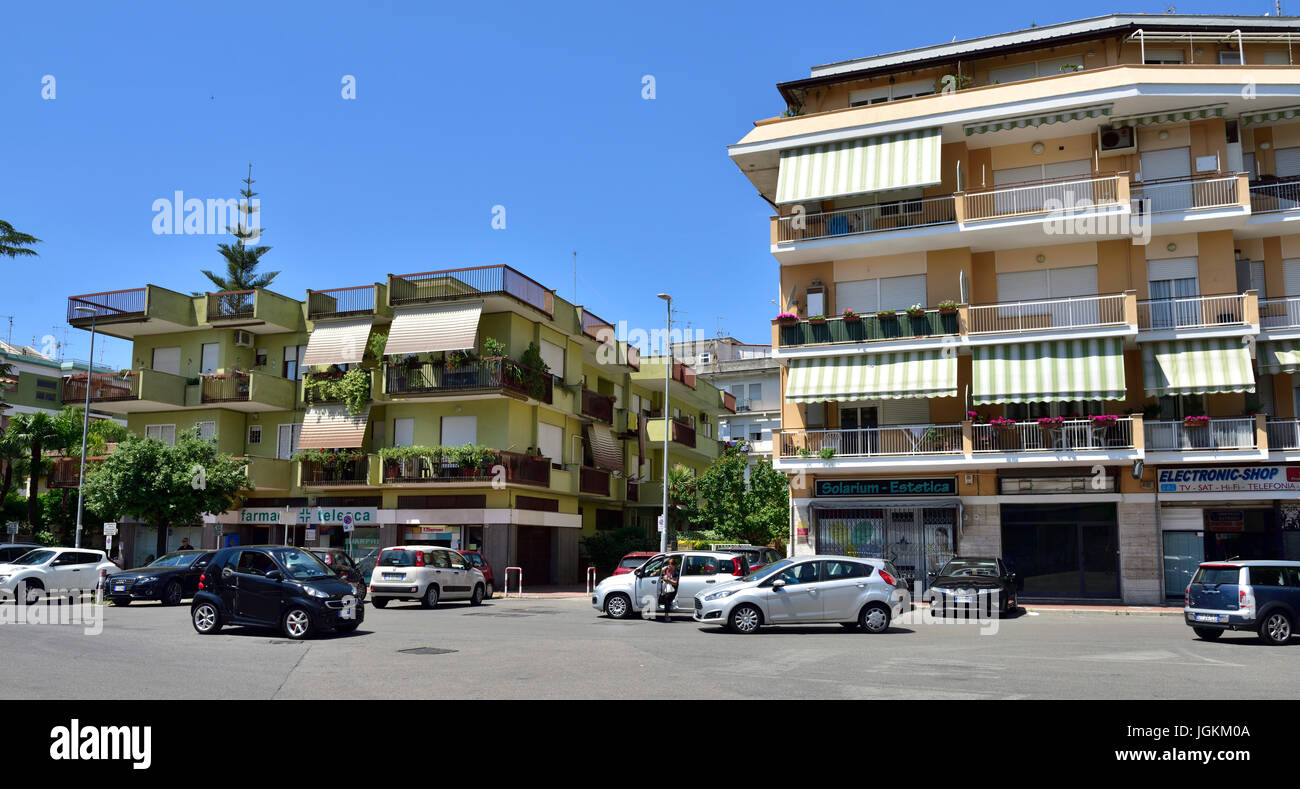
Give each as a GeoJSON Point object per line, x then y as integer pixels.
{"type": "Point", "coordinates": [35, 431]}
{"type": "Point", "coordinates": [12, 452]}
{"type": "Point", "coordinates": [241, 259]}
{"type": "Point", "coordinates": [15, 244]}
{"type": "Point", "coordinates": [604, 549]}
{"type": "Point", "coordinates": [756, 513]}
{"type": "Point", "coordinates": [165, 486]}
{"type": "Point", "coordinates": [683, 500]}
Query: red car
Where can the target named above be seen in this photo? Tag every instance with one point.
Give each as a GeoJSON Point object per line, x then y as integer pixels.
{"type": "Point", "coordinates": [477, 561]}
{"type": "Point", "coordinates": [632, 561]}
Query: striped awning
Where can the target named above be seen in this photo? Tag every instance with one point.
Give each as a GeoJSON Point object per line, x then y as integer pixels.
{"type": "Point", "coordinates": [1172, 116]}
{"type": "Point", "coordinates": [605, 450]}
{"type": "Point", "coordinates": [1039, 119]}
{"type": "Point", "coordinates": [1050, 371]}
{"type": "Point", "coordinates": [1269, 116]}
{"type": "Point", "coordinates": [1278, 356]}
{"type": "Point", "coordinates": [332, 427]}
{"type": "Point", "coordinates": [873, 376]}
{"type": "Point", "coordinates": [337, 342]}
{"type": "Point", "coordinates": [1206, 366]}
{"type": "Point", "coordinates": [445, 327]}
{"type": "Point", "coordinates": [870, 164]}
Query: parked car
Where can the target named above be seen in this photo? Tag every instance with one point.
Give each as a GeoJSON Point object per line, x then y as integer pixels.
{"type": "Point", "coordinates": [428, 573]}
{"type": "Point", "coordinates": [341, 563]}
{"type": "Point", "coordinates": [850, 591]}
{"type": "Point", "coordinates": [974, 585]}
{"type": "Point", "coordinates": [632, 561]}
{"type": "Point", "coordinates": [273, 586]}
{"type": "Point", "coordinates": [168, 579]}
{"type": "Point", "coordinates": [51, 571]}
{"type": "Point", "coordinates": [759, 555]}
{"type": "Point", "coordinates": [623, 596]}
{"type": "Point", "coordinates": [12, 550]}
{"type": "Point", "coordinates": [1263, 596]}
{"type": "Point", "coordinates": [477, 561]}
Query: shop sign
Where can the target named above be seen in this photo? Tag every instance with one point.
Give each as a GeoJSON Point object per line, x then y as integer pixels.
{"type": "Point", "coordinates": [1226, 520]}
{"type": "Point", "coordinates": [346, 516]}
{"type": "Point", "coordinates": [1230, 479]}
{"type": "Point", "coordinates": [310, 534]}
{"type": "Point", "coordinates": [268, 516]}
{"type": "Point", "coordinates": [919, 486]}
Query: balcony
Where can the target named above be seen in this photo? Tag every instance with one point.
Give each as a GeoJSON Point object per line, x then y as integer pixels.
{"type": "Point", "coordinates": [342, 474]}
{"type": "Point", "coordinates": [1039, 315]}
{"type": "Point", "coordinates": [1284, 435]}
{"type": "Point", "coordinates": [596, 328]}
{"type": "Point", "coordinates": [484, 376]}
{"type": "Point", "coordinates": [1196, 314]}
{"type": "Point", "coordinates": [1068, 435]}
{"type": "Point", "coordinates": [728, 400]}
{"type": "Point", "coordinates": [869, 328]}
{"type": "Point", "coordinates": [317, 397]}
{"type": "Point", "coordinates": [269, 473]}
{"type": "Point", "coordinates": [129, 313]}
{"type": "Point", "coordinates": [1218, 433]}
{"type": "Point", "coordinates": [893, 441]}
{"type": "Point", "coordinates": [138, 391]}
{"type": "Point", "coordinates": [475, 282]}
{"type": "Point", "coordinates": [355, 302]}
{"type": "Point", "coordinates": [1274, 198]}
{"type": "Point", "coordinates": [1069, 195]}
{"type": "Point", "coordinates": [66, 472]}
{"type": "Point", "coordinates": [593, 481]}
{"type": "Point", "coordinates": [1195, 193]}
{"type": "Point", "coordinates": [867, 219]}
{"type": "Point", "coordinates": [260, 311]}
{"type": "Point", "coordinates": [250, 392]}
{"type": "Point", "coordinates": [683, 433]}
{"type": "Point", "coordinates": [1279, 315]}
{"type": "Point", "coordinates": [231, 305]}
{"type": "Point", "coordinates": [683, 374]}
{"type": "Point", "coordinates": [598, 406]}
{"type": "Point", "coordinates": [437, 469]}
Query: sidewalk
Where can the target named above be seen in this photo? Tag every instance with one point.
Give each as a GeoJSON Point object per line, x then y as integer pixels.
{"type": "Point", "coordinates": [1113, 610]}
{"type": "Point", "coordinates": [545, 592]}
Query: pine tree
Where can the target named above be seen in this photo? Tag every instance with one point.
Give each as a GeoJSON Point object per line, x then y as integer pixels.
{"type": "Point", "coordinates": [241, 259]}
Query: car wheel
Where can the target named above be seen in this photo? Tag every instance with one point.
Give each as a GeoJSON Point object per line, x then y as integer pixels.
{"type": "Point", "coordinates": [1207, 633]}
{"type": "Point", "coordinates": [1275, 629]}
{"type": "Point", "coordinates": [874, 618]}
{"type": "Point", "coordinates": [745, 619]}
{"type": "Point", "coordinates": [206, 618]}
{"type": "Point", "coordinates": [379, 602]}
{"type": "Point", "coordinates": [296, 623]}
{"type": "Point", "coordinates": [490, 591]}
{"type": "Point", "coordinates": [430, 599]}
{"type": "Point", "coordinates": [30, 592]}
{"type": "Point", "coordinates": [618, 606]}
{"type": "Point", "coordinates": [173, 594]}
{"type": "Point", "coordinates": [477, 599]}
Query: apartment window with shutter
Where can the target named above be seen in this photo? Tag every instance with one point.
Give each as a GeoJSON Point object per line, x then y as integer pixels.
{"type": "Point", "coordinates": [163, 433]}
{"type": "Point", "coordinates": [207, 430]}
{"type": "Point", "coordinates": [254, 434]}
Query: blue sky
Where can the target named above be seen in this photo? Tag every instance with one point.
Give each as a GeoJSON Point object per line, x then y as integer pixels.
{"type": "Point", "coordinates": [534, 107]}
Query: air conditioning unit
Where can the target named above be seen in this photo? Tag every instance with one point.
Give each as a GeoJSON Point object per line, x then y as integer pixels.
{"type": "Point", "coordinates": [243, 339]}
{"type": "Point", "coordinates": [1116, 140]}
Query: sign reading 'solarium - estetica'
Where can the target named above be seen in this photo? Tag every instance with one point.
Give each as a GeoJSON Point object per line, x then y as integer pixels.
{"type": "Point", "coordinates": [925, 486]}
{"type": "Point", "coordinates": [103, 743]}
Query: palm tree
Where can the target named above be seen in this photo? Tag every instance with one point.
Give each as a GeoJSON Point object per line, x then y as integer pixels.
{"type": "Point", "coordinates": [12, 452]}
{"type": "Point", "coordinates": [241, 259]}
{"type": "Point", "coordinates": [34, 430]}
{"type": "Point", "coordinates": [14, 243]}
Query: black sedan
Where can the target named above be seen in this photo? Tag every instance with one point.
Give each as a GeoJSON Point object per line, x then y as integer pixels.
{"type": "Point", "coordinates": [973, 586]}
{"type": "Point", "coordinates": [341, 563]}
{"type": "Point", "coordinates": [169, 579]}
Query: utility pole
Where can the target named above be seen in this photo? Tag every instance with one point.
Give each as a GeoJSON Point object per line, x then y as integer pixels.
{"type": "Point", "coordinates": [575, 276]}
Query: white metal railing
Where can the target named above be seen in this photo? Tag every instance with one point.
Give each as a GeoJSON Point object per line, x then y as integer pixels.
{"type": "Point", "coordinates": [1069, 435]}
{"type": "Point", "coordinates": [1192, 312]}
{"type": "Point", "coordinates": [1270, 198]}
{"type": "Point", "coordinates": [1279, 313]}
{"type": "Point", "coordinates": [746, 404]}
{"type": "Point", "coordinates": [872, 441]}
{"type": "Point", "coordinates": [867, 219]}
{"type": "Point", "coordinates": [1229, 433]}
{"type": "Point", "coordinates": [1072, 312]}
{"type": "Point", "coordinates": [1283, 434]}
{"type": "Point", "coordinates": [1035, 197]}
{"type": "Point", "coordinates": [1184, 194]}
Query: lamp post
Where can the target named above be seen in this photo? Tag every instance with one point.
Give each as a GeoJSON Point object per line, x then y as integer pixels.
{"type": "Point", "coordinates": [668, 372]}
{"type": "Point", "coordinates": [85, 419]}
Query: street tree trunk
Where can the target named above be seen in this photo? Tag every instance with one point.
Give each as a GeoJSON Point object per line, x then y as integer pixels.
{"type": "Point", "coordinates": [33, 503]}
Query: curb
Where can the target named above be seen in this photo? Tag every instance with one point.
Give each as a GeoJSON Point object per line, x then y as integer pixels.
{"type": "Point", "coordinates": [1178, 612]}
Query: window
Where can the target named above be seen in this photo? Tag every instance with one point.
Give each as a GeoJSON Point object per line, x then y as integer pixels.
{"type": "Point", "coordinates": [207, 430]}
{"type": "Point", "coordinates": [755, 433]}
{"type": "Point", "coordinates": [254, 563]}
{"type": "Point", "coordinates": [1248, 164]}
{"type": "Point", "coordinates": [163, 433]}
{"type": "Point", "coordinates": [45, 383]}
{"type": "Point", "coordinates": [260, 357]}
{"type": "Point", "coordinates": [1043, 68]}
{"type": "Point", "coordinates": [441, 559]}
{"type": "Point", "coordinates": [755, 393]}
{"type": "Point", "coordinates": [208, 358]}
{"type": "Point", "coordinates": [167, 360]}
{"type": "Point", "coordinates": [254, 434]}
{"type": "Point", "coordinates": [457, 561]}
{"type": "Point", "coordinates": [1291, 276]}
{"type": "Point", "coordinates": [884, 93]}
{"type": "Point", "coordinates": [553, 355]}
{"type": "Point", "coordinates": [48, 396]}
{"type": "Point", "coordinates": [805, 573]}
{"type": "Point", "coordinates": [1266, 576]}
{"type": "Point", "coordinates": [1257, 279]}
{"type": "Point", "coordinates": [404, 432]}
{"type": "Point", "coordinates": [458, 430]}
{"type": "Point", "coordinates": [1037, 285]}
{"type": "Point", "coordinates": [286, 440]}
{"type": "Point", "coordinates": [1027, 412]}
{"type": "Point", "coordinates": [705, 358]}
{"type": "Point", "coordinates": [1170, 280]}
{"type": "Point", "coordinates": [1229, 58]}
{"type": "Point", "coordinates": [1167, 57]}
{"type": "Point", "coordinates": [838, 570]}
{"type": "Point", "coordinates": [699, 565]}
{"type": "Point", "coordinates": [292, 353]}
{"type": "Point", "coordinates": [550, 440]}
{"type": "Point", "coordinates": [816, 302]}
{"type": "Point", "coordinates": [868, 296]}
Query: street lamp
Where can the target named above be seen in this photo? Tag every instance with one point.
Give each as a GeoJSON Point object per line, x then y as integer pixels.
{"type": "Point", "coordinates": [85, 418]}
{"type": "Point", "coordinates": [668, 370]}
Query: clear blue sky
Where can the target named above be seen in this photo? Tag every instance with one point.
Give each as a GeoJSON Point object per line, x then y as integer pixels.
{"type": "Point", "coordinates": [536, 107]}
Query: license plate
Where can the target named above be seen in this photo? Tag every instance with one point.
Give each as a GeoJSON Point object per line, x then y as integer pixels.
{"type": "Point", "coordinates": [119, 587]}
{"type": "Point", "coordinates": [965, 598]}
{"type": "Point", "coordinates": [393, 576]}
{"type": "Point", "coordinates": [1208, 618]}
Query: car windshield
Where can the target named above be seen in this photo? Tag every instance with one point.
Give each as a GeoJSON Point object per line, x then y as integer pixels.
{"type": "Point", "coordinates": [775, 567]}
{"type": "Point", "coordinates": [1221, 574]}
{"type": "Point", "coordinates": [632, 562]}
{"type": "Point", "coordinates": [397, 558]}
{"type": "Point", "coordinates": [301, 565]}
{"type": "Point", "coordinates": [959, 568]}
{"type": "Point", "coordinates": [174, 560]}
{"type": "Point", "coordinates": [34, 557]}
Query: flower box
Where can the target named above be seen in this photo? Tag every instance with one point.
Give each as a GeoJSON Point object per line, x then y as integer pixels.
{"type": "Point", "coordinates": [1196, 421]}
{"type": "Point", "coordinates": [817, 320]}
{"type": "Point", "coordinates": [851, 317]}
{"type": "Point", "coordinates": [787, 319]}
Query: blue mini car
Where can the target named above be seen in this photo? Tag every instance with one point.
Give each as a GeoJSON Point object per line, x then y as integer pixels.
{"type": "Point", "coordinates": [1263, 596]}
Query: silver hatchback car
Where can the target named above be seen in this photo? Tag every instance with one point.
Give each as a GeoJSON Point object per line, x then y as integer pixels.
{"type": "Point", "coordinates": [806, 590]}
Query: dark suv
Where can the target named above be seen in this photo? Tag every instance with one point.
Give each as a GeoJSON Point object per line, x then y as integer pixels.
{"type": "Point", "coordinates": [274, 586]}
{"type": "Point", "coordinates": [1263, 596]}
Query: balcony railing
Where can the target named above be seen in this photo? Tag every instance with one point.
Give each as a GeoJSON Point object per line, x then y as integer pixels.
{"type": "Point", "coordinates": [226, 388]}
{"type": "Point", "coordinates": [1168, 195]}
{"type": "Point", "coordinates": [340, 302]}
{"type": "Point", "coordinates": [594, 481]}
{"type": "Point", "coordinates": [1070, 435]}
{"type": "Point", "coordinates": [108, 305]}
{"type": "Point", "coordinates": [1219, 433]}
{"type": "Point", "coordinates": [683, 374]}
{"type": "Point", "coordinates": [1037, 197]}
{"type": "Point", "coordinates": [683, 433]}
{"type": "Point", "coordinates": [1192, 312]}
{"type": "Point", "coordinates": [1271, 198]}
{"type": "Point", "coordinates": [867, 219]}
{"type": "Point", "coordinates": [352, 472]}
{"type": "Point", "coordinates": [869, 328]}
{"type": "Point", "coordinates": [1279, 313]}
{"type": "Point", "coordinates": [104, 387]}
{"type": "Point", "coordinates": [1283, 434]}
{"type": "Point", "coordinates": [1063, 313]}
{"type": "Point", "coordinates": [633, 491]}
{"type": "Point", "coordinates": [596, 328]}
{"type": "Point", "coordinates": [453, 284]}
{"type": "Point", "coordinates": [66, 472]}
{"type": "Point", "coordinates": [598, 406]}
{"type": "Point", "coordinates": [895, 440]}
{"type": "Point", "coordinates": [482, 375]}
{"type": "Point", "coordinates": [434, 469]}
{"type": "Point", "coordinates": [231, 305]}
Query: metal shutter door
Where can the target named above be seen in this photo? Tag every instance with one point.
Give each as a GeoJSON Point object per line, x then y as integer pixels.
{"type": "Point", "coordinates": [1286, 162]}
{"type": "Point", "coordinates": [862, 296]}
{"type": "Point", "coordinates": [1291, 276]}
{"type": "Point", "coordinates": [902, 292]}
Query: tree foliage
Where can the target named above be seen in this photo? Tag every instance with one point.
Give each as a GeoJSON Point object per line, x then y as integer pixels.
{"type": "Point", "coordinates": [241, 259]}
{"type": "Point", "coordinates": [36, 431]}
{"type": "Point", "coordinates": [604, 549]}
{"type": "Point", "coordinates": [14, 243]}
{"type": "Point", "coordinates": [757, 513]}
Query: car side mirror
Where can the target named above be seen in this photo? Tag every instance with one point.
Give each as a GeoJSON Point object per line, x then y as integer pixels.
{"type": "Point", "coordinates": [931, 575]}
{"type": "Point", "coordinates": [275, 575]}
{"type": "Point", "coordinates": [227, 572]}
{"type": "Point", "coordinates": [778, 584]}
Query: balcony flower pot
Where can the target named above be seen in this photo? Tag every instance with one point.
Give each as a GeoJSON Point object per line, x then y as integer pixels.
{"type": "Point", "coordinates": [817, 320]}
{"type": "Point", "coordinates": [1196, 421]}
{"type": "Point", "coordinates": [851, 317]}
{"type": "Point", "coordinates": [787, 319]}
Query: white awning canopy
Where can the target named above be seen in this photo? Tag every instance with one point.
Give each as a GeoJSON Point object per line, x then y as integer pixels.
{"type": "Point", "coordinates": [605, 450]}
{"type": "Point", "coordinates": [332, 427]}
{"type": "Point", "coordinates": [443, 327]}
{"type": "Point", "coordinates": [337, 342]}
{"type": "Point", "coordinates": [871, 164]}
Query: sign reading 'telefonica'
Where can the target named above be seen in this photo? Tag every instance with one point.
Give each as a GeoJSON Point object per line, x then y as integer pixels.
{"type": "Point", "coordinates": [925, 486]}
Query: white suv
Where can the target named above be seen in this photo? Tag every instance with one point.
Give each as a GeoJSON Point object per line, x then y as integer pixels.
{"type": "Point", "coordinates": [427, 573]}
{"type": "Point", "coordinates": [622, 596]}
{"type": "Point", "coordinates": [53, 571]}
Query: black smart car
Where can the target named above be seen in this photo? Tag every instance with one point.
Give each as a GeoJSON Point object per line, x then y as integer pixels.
{"type": "Point", "coordinates": [168, 579]}
{"type": "Point", "coordinates": [276, 586]}
{"type": "Point", "coordinates": [341, 563]}
{"type": "Point", "coordinates": [973, 585]}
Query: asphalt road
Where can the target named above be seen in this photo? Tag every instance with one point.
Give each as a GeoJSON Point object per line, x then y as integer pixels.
{"type": "Point", "coordinates": [562, 649]}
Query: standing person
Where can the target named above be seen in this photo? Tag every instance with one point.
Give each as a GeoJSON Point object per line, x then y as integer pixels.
{"type": "Point", "coordinates": [668, 586]}
{"type": "Point", "coordinates": [185, 545]}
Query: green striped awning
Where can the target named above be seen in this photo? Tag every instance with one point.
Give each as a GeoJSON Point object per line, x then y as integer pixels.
{"type": "Point", "coordinates": [870, 164]}
{"type": "Point", "coordinates": [1269, 116]}
{"type": "Point", "coordinates": [873, 376]}
{"type": "Point", "coordinates": [1050, 371]}
{"type": "Point", "coordinates": [1205, 366]}
{"type": "Point", "coordinates": [1278, 356]}
{"type": "Point", "coordinates": [1172, 116]}
{"type": "Point", "coordinates": [1040, 119]}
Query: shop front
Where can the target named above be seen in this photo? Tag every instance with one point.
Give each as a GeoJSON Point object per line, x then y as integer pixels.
{"type": "Point", "coordinates": [1063, 549]}
{"type": "Point", "coordinates": [424, 534]}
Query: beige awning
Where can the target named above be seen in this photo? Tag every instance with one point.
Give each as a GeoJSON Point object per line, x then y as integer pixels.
{"type": "Point", "coordinates": [605, 451]}
{"type": "Point", "coordinates": [444, 327]}
{"type": "Point", "coordinates": [332, 427]}
{"type": "Point", "coordinates": [337, 342]}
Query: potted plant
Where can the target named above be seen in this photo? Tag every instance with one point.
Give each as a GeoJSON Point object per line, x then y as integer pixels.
{"type": "Point", "coordinates": [1196, 421]}
{"type": "Point", "coordinates": [1103, 420]}
{"type": "Point", "coordinates": [948, 307]}
{"type": "Point", "coordinates": [886, 314]}
{"type": "Point", "coordinates": [974, 417]}
{"type": "Point", "coordinates": [915, 311]}
{"type": "Point", "coordinates": [1050, 422]}
{"type": "Point", "coordinates": [817, 320]}
{"type": "Point", "coordinates": [1151, 411]}
{"type": "Point", "coordinates": [787, 319]}
{"type": "Point", "coordinates": [805, 452]}
{"type": "Point", "coordinates": [850, 316]}
{"type": "Point", "coordinates": [826, 453]}
{"type": "Point", "coordinates": [1003, 423]}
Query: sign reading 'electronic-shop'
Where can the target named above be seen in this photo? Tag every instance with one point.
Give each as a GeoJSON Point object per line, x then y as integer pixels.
{"type": "Point", "coordinates": [923, 486]}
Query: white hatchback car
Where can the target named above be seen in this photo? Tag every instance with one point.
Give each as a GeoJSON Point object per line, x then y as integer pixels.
{"type": "Point", "coordinates": [53, 572]}
{"type": "Point", "coordinates": [427, 573]}
{"type": "Point", "coordinates": [622, 596]}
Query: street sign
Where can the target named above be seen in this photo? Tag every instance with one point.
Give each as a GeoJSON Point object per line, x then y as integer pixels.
{"type": "Point", "coordinates": [216, 529]}
{"type": "Point", "coordinates": [110, 529]}
{"type": "Point", "coordinates": [11, 527]}
{"type": "Point", "coordinates": [310, 534]}
{"type": "Point", "coordinates": [108, 543]}
{"type": "Point", "coordinates": [660, 522]}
